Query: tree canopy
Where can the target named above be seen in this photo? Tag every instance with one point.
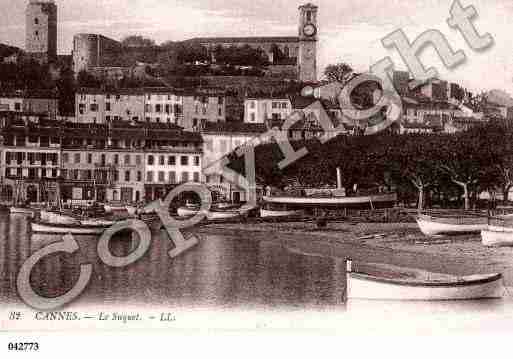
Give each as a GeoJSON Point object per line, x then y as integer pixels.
{"type": "Point", "coordinates": [455, 167]}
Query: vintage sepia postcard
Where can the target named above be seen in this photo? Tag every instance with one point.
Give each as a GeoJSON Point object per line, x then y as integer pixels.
{"type": "Point", "coordinates": [255, 166]}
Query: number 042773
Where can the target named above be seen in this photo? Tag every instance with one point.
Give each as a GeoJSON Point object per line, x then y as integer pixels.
{"type": "Point", "coordinates": [23, 346]}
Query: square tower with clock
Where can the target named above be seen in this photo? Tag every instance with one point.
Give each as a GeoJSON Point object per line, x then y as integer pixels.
{"type": "Point", "coordinates": [307, 56]}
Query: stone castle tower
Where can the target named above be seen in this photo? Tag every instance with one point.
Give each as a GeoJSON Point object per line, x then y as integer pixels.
{"type": "Point", "coordinates": [41, 30]}
{"type": "Point", "coordinates": [308, 30]}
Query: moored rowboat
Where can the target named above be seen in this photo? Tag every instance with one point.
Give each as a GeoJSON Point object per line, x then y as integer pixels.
{"type": "Point", "coordinates": [434, 226]}
{"type": "Point", "coordinates": [497, 237]}
{"type": "Point", "coordinates": [365, 286]}
{"type": "Point", "coordinates": [22, 210]}
{"type": "Point", "coordinates": [45, 227]}
{"type": "Point", "coordinates": [265, 213]}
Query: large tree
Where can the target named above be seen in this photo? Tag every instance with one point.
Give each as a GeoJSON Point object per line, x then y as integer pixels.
{"type": "Point", "coordinates": [340, 72]}
{"type": "Point", "coordinates": [137, 41]}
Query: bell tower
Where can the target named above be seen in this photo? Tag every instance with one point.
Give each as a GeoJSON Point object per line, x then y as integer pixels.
{"type": "Point", "coordinates": [308, 30]}
{"type": "Point", "coordinates": [41, 30]}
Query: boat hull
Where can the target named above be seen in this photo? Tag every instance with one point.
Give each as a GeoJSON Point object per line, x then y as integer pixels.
{"type": "Point", "coordinates": [113, 208]}
{"type": "Point", "coordinates": [57, 218]}
{"type": "Point", "coordinates": [52, 228]}
{"type": "Point", "coordinates": [436, 228]}
{"type": "Point", "coordinates": [21, 210]}
{"type": "Point", "coordinates": [265, 213]}
{"type": "Point", "coordinates": [211, 215]}
{"type": "Point", "coordinates": [494, 237]}
{"type": "Point", "coordinates": [377, 201]}
{"type": "Point", "coordinates": [361, 286]}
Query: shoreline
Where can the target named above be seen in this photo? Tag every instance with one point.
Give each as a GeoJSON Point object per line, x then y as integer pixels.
{"type": "Point", "coordinates": [391, 244]}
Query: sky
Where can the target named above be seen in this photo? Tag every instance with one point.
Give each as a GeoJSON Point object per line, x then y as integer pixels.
{"type": "Point", "coordinates": [349, 30]}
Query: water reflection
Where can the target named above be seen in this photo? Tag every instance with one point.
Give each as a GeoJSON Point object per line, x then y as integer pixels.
{"type": "Point", "coordinates": [221, 272]}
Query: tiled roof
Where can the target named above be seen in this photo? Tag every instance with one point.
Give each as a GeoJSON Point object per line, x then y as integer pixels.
{"type": "Point", "coordinates": [257, 39]}
{"type": "Point", "coordinates": [152, 90]}
{"type": "Point", "coordinates": [234, 127]}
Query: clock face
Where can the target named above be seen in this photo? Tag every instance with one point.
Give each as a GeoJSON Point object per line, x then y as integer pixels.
{"type": "Point", "coordinates": [309, 53]}
{"type": "Point", "coordinates": [309, 30]}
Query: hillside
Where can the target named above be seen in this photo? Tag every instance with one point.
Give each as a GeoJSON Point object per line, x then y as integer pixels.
{"type": "Point", "coordinates": [499, 97]}
{"type": "Point", "coordinates": [6, 50]}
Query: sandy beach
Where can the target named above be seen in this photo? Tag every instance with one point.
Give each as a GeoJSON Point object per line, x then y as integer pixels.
{"type": "Point", "coordinates": [392, 244]}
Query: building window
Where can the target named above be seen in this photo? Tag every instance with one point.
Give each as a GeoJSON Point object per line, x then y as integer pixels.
{"type": "Point", "coordinates": [151, 160]}
{"type": "Point", "coordinates": [93, 107]}
{"type": "Point", "coordinates": [116, 159]}
{"type": "Point", "coordinates": [168, 108]}
{"type": "Point", "coordinates": [252, 104]}
{"type": "Point", "coordinates": [196, 161]}
{"type": "Point", "coordinates": [184, 160]}
{"type": "Point", "coordinates": [161, 177]}
{"type": "Point", "coordinates": [171, 161]}
{"type": "Point", "coordinates": [185, 177]}
{"type": "Point", "coordinates": [116, 175]}
{"type": "Point", "coordinates": [89, 158]}
{"type": "Point", "coordinates": [220, 100]}
{"type": "Point", "coordinates": [196, 177]}
{"type": "Point", "coordinates": [127, 176]}
{"type": "Point", "coordinates": [107, 106]}
{"type": "Point", "coordinates": [103, 159]}
{"type": "Point", "coordinates": [162, 160]}
{"type": "Point", "coordinates": [77, 157]}
{"type": "Point", "coordinates": [139, 176]}
{"type": "Point", "coordinates": [17, 106]}
{"type": "Point", "coordinates": [127, 160]}
{"type": "Point", "coordinates": [138, 159]}
{"type": "Point", "coordinates": [36, 21]}
{"type": "Point", "coordinates": [158, 108]}
{"type": "Point", "coordinates": [252, 117]}
{"type": "Point", "coordinates": [149, 177]}
{"type": "Point", "coordinates": [172, 177]}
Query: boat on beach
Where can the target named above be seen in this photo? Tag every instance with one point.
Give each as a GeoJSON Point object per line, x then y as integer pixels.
{"type": "Point", "coordinates": [451, 225]}
{"type": "Point", "coordinates": [268, 213]}
{"type": "Point", "coordinates": [302, 202]}
{"type": "Point", "coordinates": [27, 211]}
{"type": "Point", "coordinates": [216, 213]}
{"type": "Point", "coordinates": [496, 237]}
{"type": "Point", "coordinates": [374, 287]}
{"type": "Point", "coordinates": [55, 228]}
{"type": "Point", "coordinates": [119, 207]}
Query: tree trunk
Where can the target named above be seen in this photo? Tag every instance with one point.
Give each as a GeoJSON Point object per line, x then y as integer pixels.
{"type": "Point", "coordinates": [466, 196]}
{"type": "Point", "coordinates": [505, 193]}
{"type": "Point", "coordinates": [421, 199]}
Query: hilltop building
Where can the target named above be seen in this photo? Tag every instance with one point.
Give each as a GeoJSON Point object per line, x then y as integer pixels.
{"type": "Point", "coordinates": [298, 54]}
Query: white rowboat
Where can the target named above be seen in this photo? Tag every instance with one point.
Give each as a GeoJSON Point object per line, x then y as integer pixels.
{"type": "Point", "coordinates": [211, 215]}
{"type": "Point", "coordinates": [22, 210]}
{"type": "Point", "coordinates": [435, 226]}
{"type": "Point", "coordinates": [44, 227]}
{"type": "Point", "coordinates": [57, 218]}
{"type": "Point", "coordinates": [364, 286]}
{"type": "Point", "coordinates": [265, 213]}
{"type": "Point", "coordinates": [373, 201]}
{"type": "Point", "coordinates": [497, 237]}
